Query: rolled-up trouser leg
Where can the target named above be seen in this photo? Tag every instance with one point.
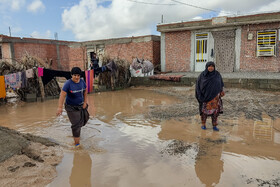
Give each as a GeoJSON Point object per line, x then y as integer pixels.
{"type": "Point", "coordinates": [215, 119]}
{"type": "Point", "coordinates": [76, 121]}
{"type": "Point", "coordinates": [76, 132]}
{"type": "Point", "coordinates": [203, 118]}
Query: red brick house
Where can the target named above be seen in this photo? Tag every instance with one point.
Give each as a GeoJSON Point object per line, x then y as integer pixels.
{"type": "Point", "coordinates": [63, 55]}
{"type": "Point", "coordinates": [147, 47]}
{"type": "Point", "coordinates": [242, 43]}
{"type": "Point", "coordinates": [58, 54]}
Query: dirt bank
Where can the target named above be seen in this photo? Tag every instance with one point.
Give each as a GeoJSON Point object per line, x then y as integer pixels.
{"type": "Point", "coordinates": [237, 102]}
{"type": "Point", "coordinates": [27, 160]}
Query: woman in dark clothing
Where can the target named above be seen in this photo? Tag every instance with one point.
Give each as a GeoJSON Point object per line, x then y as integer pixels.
{"type": "Point", "coordinates": [208, 92]}
{"type": "Point", "coordinates": [95, 64]}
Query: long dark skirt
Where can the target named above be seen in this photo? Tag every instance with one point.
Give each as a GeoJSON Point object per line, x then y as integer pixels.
{"type": "Point", "coordinates": [78, 118]}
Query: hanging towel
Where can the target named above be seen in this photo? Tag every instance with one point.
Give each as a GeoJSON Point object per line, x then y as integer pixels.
{"type": "Point", "coordinates": [23, 79]}
{"type": "Point", "coordinates": [40, 72]}
{"type": "Point", "coordinates": [89, 80]}
{"type": "Point", "coordinates": [29, 73]}
{"type": "Point", "coordinates": [49, 74]}
{"type": "Point", "coordinates": [112, 66]}
{"type": "Point", "coordinates": [2, 87]}
{"type": "Point", "coordinates": [13, 80]}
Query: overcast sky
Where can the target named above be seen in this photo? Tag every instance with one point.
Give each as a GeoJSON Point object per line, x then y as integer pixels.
{"type": "Point", "coordinates": [82, 20]}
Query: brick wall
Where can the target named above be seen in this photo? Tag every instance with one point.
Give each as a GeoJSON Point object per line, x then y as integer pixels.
{"type": "Point", "coordinates": [156, 53]}
{"type": "Point", "coordinates": [178, 51]}
{"type": "Point", "coordinates": [127, 51]}
{"type": "Point", "coordinates": [248, 55]}
{"type": "Point", "coordinates": [77, 57]}
{"type": "Point", "coordinates": [48, 53]}
{"type": "Point", "coordinates": [43, 51]}
{"type": "Point", "coordinates": [60, 55]}
{"type": "Point", "coordinates": [64, 59]}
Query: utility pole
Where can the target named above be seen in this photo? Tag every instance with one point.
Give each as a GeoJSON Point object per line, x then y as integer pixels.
{"type": "Point", "coordinates": [55, 36]}
{"type": "Point", "coordinates": [10, 31]}
{"type": "Point", "coordinates": [162, 18]}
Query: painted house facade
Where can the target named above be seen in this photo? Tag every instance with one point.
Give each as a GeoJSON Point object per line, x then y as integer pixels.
{"type": "Point", "coordinates": [235, 44]}
{"type": "Point", "coordinates": [63, 55]}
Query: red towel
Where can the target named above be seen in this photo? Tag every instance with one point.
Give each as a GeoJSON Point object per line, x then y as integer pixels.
{"type": "Point", "coordinates": [40, 72]}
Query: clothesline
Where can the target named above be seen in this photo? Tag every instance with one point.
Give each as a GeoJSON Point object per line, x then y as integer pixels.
{"type": "Point", "coordinates": [19, 79]}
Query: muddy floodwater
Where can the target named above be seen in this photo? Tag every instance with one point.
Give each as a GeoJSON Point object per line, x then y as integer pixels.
{"type": "Point", "coordinates": [126, 143]}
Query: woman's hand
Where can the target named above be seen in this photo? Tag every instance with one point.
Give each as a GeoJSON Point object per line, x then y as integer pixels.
{"type": "Point", "coordinates": [60, 102]}
{"type": "Point", "coordinates": [222, 93]}
{"type": "Point", "coordinates": [59, 111]}
{"type": "Point", "coordinates": [84, 105]}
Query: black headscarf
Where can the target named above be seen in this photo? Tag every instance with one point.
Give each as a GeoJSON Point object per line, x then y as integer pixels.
{"type": "Point", "coordinates": [208, 84]}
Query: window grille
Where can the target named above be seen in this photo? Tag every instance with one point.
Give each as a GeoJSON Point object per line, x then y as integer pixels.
{"type": "Point", "coordinates": [266, 43]}
{"type": "Point", "coordinates": [201, 47]}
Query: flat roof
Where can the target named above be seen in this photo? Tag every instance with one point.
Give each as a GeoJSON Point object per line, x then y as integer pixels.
{"type": "Point", "coordinates": [223, 21]}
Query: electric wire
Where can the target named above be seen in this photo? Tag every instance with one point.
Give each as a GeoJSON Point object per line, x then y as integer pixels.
{"type": "Point", "coordinates": [194, 6]}
{"type": "Point", "coordinates": [151, 3]}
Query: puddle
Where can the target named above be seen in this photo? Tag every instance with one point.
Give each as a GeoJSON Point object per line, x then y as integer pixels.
{"type": "Point", "coordinates": [122, 147]}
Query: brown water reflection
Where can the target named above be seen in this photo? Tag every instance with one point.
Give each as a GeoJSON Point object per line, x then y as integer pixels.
{"type": "Point", "coordinates": [81, 170]}
{"type": "Point", "coordinates": [243, 153]}
{"type": "Point", "coordinates": [121, 147]}
{"type": "Point", "coordinates": [209, 165]}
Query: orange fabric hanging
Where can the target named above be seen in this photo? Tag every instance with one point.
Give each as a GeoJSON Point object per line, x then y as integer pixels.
{"type": "Point", "coordinates": [2, 87]}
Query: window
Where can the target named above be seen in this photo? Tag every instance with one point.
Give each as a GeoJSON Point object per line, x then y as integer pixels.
{"type": "Point", "coordinates": [266, 43]}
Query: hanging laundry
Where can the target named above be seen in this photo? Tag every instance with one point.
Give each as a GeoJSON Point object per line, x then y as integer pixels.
{"type": "Point", "coordinates": [89, 80]}
{"type": "Point", "coordinates": [29, 73]}
{"type": "Point", "coordinates": [23, 79]}
{"type": "Point", "coordinates": [112, 67]}
{"type": "Point", "coordinates": [2, 87]}
{"type": "Point", "coordinates": [13, 80]}
{"type": "Point", "coordinates": [49, 74]}
{"type": "Point", "coordinates": [40, 72]}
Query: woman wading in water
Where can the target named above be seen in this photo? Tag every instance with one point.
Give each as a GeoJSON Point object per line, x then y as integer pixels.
{"type": "Point", "coordinates": [208, 92]}
{"type": "Point", "coordinates": [74, 90]}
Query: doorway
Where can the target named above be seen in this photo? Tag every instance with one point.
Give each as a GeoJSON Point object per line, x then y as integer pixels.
{"type": "Point", "coordinates": [224, 42]}
{"type": "Point", "coordinates": [201, 50]}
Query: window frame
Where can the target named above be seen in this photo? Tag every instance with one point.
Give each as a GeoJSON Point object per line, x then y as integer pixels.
{"type": "Point", "coordinates": [201, 46]}
{"type": "Point", "coordinates": [266, 43]}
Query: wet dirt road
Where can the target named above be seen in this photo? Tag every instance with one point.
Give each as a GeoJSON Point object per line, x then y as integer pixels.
{"type": "Point", "coordinates": [121, 146]}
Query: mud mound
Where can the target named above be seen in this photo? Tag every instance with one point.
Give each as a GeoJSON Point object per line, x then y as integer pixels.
{"type": "Point", "coordinates": [14, 143]}
{"type": "Point", "coordinates": [27, 160]}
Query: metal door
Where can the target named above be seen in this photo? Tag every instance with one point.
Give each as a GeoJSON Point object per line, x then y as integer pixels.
{"type": "Point", "coordinates": [201, 50]}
